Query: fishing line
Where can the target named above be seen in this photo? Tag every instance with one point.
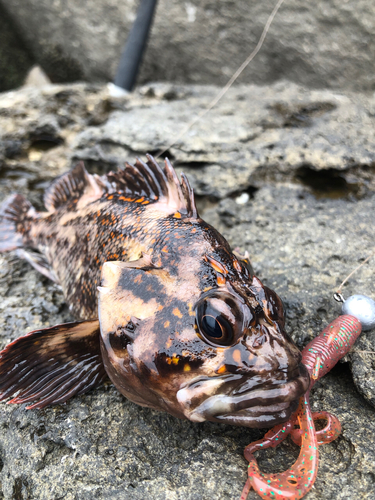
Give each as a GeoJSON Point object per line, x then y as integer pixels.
{"type": "Point", "coordinates": [256, 478]}
{"type": "Point", "coordinates": [232, 79]}
{"type": "Point", "coordinates": [338, 296]}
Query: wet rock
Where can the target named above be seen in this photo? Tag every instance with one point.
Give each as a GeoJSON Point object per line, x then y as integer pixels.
{"type": "Point", "coordinates": [314, 44]}
{"type": "Point", "coordinates": [363, 366]}
{"type": "Point", "coordinates": [238, 146]}
{"type": "Point", "coordinates": [303, 237]}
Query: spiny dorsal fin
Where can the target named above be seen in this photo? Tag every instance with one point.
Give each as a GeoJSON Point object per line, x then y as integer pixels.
{"type": "Point", "coordinates": [149, 180]}
{"type": "Point", "coordinates": [141, 180]}
{"type": "Point", "coordinates": [74, 184]}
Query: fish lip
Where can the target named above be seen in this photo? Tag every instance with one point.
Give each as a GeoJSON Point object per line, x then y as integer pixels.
{"type": "Point", "coordinates": [263, 405]}
{"type": "Point", "coordinates": [261, 418]}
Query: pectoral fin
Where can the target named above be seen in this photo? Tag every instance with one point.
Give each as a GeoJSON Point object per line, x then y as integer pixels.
{"type": "Point", "coordinates": [50, 366]}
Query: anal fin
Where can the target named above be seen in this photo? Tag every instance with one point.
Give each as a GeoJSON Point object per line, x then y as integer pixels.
{"type": "Point", "coordinates": [50, 366]}
{"type": "Point", "coordinates": [39, 262]}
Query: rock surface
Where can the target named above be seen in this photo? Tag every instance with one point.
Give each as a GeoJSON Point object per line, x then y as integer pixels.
{"type": "Point", "coordinates": [15, 58]}
{"type": "Point", "coordinates": [317, 44]}
{"type": "Point", "coordinates": [282, 172]}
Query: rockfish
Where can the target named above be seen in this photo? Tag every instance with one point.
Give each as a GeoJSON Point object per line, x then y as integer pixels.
{"type": "Point", "coordinates": [164, 307]}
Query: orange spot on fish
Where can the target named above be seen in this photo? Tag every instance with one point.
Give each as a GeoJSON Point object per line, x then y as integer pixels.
{"type": "Point", "coordinates": [191, 310]}
{"type": "Point", "coordinates": [207, 288]}
{"type": "Point", "coordinates": [221, 280]}
{"type": "Point", "coordinates": [187, 368]}
{"type": "Point", "coordinates": [160, 307]}
{"type": "Point", "coordinates": [218, 266]}
{"type": "Point", "coordinates": [177, 215]}
{"type": "Point", "coordinates": [222, 369]}
{"type": "Point", "coordinates": [168, 343]}
{"type": "Point", "coordinates": [237, 356]}
{"type": "Point", "coordinates": [166, 324]}
{"type": "Point", "coordinates": [138, 279]}
{"type": "Point", "coordinates": [139, 200]}
{"type": "Point", "coordinates": [110, 197]}
{"type": "Point", "coordinates": [164, 249]}
{"type": "Point", "coordinates": [177, 312]}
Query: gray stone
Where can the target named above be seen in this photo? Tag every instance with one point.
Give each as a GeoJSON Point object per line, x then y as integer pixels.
{"type": "Point", "coordinates": [306, 160]}
{"type": "Point", "coordinates": [15, 58]}
{"type": "Point", "coordinates": [317, 44]}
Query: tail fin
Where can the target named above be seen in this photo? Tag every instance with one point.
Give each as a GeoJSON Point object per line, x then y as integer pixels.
{"type": "Point", "coordinates": [49, 366]}
{"type": "Point", "coordinates": [14, 213]}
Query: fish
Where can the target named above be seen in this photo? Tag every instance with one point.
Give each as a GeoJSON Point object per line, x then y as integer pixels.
{"type": "Point", "coordinates": [163, 306]}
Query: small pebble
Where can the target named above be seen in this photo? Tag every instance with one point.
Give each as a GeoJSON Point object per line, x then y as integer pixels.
{"type": "Point", "coordinates": [242, 199]}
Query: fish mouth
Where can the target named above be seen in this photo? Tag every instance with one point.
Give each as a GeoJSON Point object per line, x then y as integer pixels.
{"type": "Point", "coordinates": [250, 403]}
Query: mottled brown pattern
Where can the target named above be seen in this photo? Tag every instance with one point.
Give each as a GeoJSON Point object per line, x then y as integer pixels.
{"type": "Point", "coordinates": [185, 326]}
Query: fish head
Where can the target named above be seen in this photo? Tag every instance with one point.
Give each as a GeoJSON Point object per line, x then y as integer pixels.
{"type": "Point", "coordinates": [218, 354]}
{"type": "Point", "coordinates": [256, 377]}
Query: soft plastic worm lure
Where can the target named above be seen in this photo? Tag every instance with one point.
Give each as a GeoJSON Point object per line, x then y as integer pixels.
{"type": "Point", "coordinates": [319, 356]}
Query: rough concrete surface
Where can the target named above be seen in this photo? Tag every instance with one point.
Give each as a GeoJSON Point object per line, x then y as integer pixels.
{"type": "Point", "coordinates": [317, 44]}
{"type": "Point", "coordinates": [282, 172]}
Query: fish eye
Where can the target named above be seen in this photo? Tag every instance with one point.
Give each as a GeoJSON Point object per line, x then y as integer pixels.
{"type": "Point", "coordinates": [217, 321]}
{"type": "Point", "coordinates": [214, 326]}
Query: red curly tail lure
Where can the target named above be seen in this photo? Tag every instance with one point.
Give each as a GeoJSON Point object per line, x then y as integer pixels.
{"type": "Point", "coordinates": [319, 357]}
